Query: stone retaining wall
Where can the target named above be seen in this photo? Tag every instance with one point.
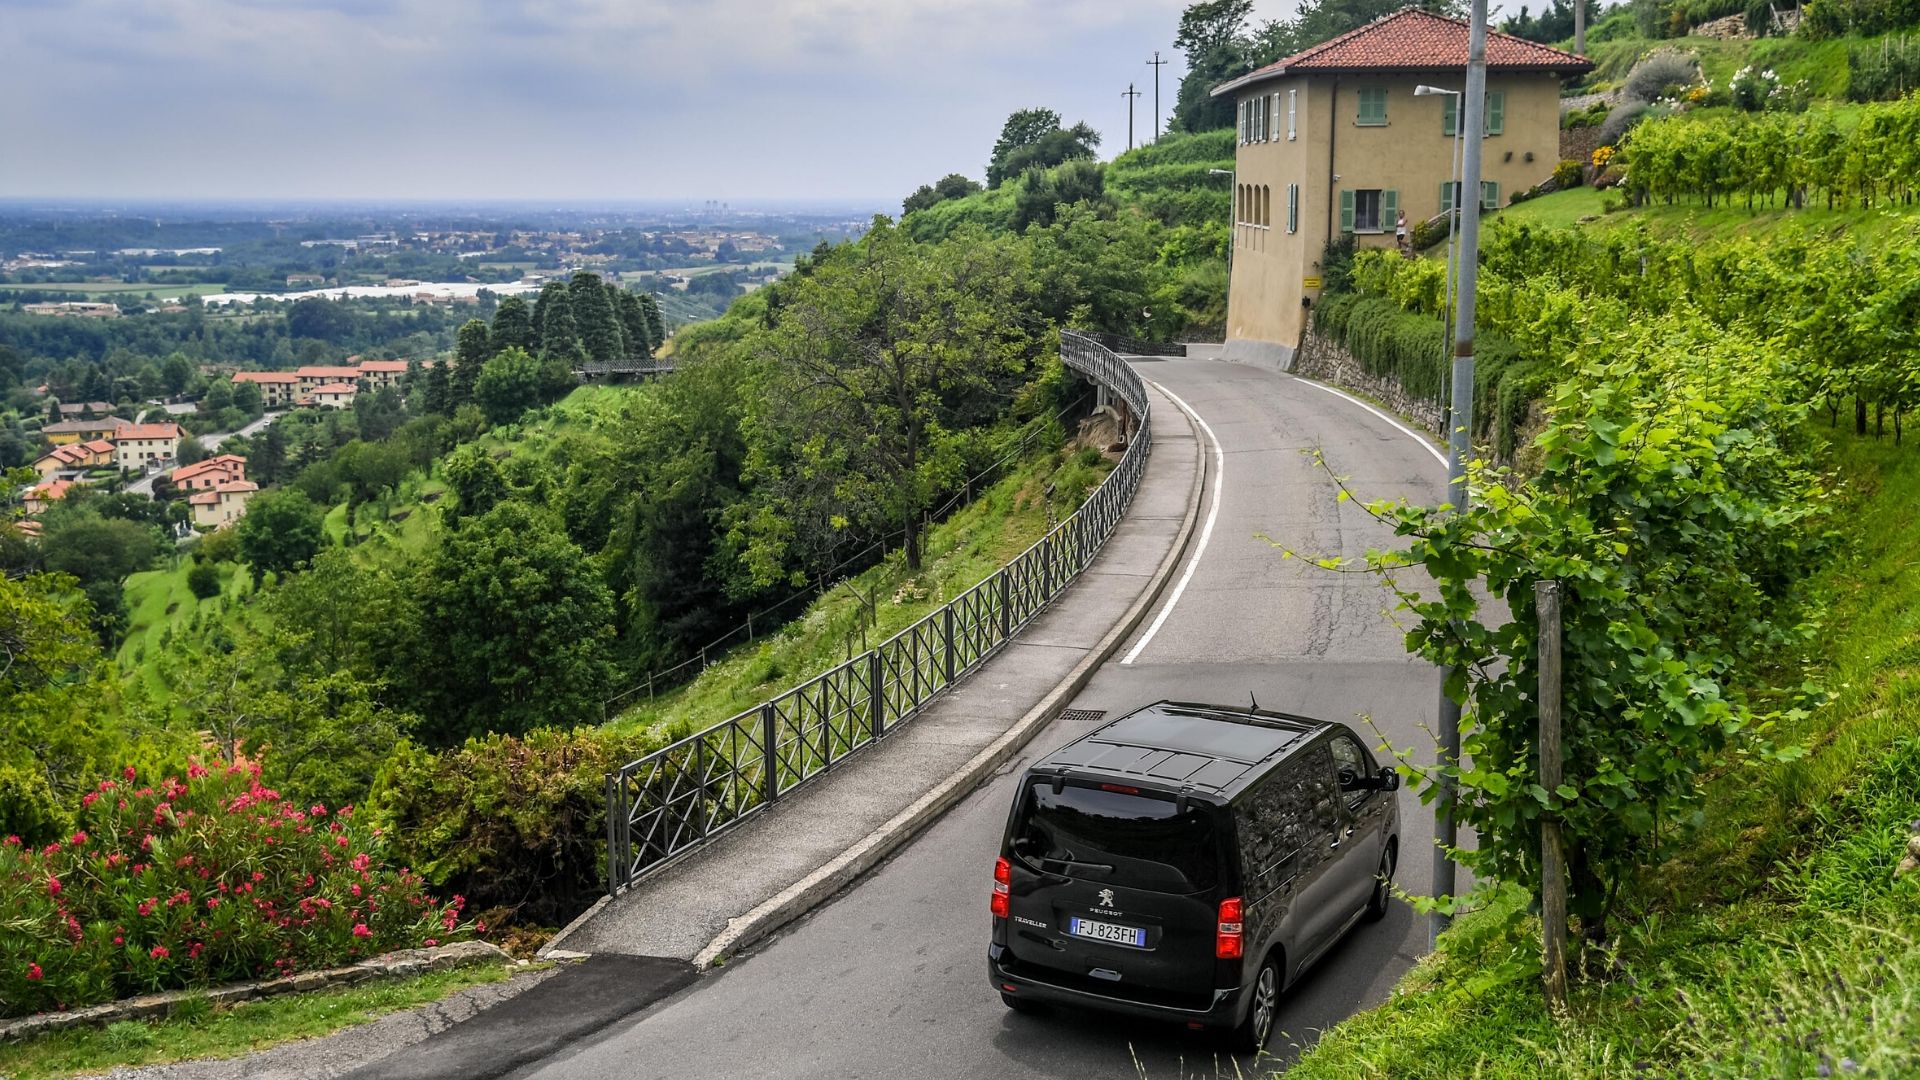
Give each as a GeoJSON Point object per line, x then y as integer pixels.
{"type": "Point", "coordinates": [1327, 360]}
{"type": "Point", "coordinates": [404, 962]}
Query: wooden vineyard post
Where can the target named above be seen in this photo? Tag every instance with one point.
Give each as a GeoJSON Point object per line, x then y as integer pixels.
{"type": "Point", "coordinates": [1553, 875]}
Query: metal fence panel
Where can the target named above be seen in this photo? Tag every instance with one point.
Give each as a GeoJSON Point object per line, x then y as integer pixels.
{"type": "Point", "coordinates": [683, 794]}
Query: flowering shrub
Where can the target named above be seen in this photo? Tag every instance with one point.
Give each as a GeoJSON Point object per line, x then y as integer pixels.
{"type": "Point", "coordinates": [1750, 89]}
{"type": "Point", "coordinates": [1601, 156]}
{"type": "Point", "coordinates": [206, 880]}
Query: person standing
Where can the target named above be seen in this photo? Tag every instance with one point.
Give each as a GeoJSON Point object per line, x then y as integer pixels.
{"type": "Point", "coordinates": [1400, 234]}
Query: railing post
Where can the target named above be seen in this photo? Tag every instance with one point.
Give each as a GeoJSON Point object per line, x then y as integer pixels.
{"type": "Point", "coordinates": [1006, 603]}
{"type": "Point", "coordinates": [770, 747]}
{"type": "Point", "coordinates": [876, 696]}
{"type": "Point", "coordinates": [614, 824]}
{"type": "Point", "coordinates": [946, 638]}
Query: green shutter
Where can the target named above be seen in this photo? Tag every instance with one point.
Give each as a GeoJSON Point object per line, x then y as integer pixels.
{"type": "Point", "coordinates": [1446, 196]}
{"type": "Point", "coordinates": [1293, 208]}
{"type": "Point", "coordinates": [1490, 194]}
{"type": "Point", "coordinates": [1389, 208]}
{"type": "Point", "coordinates": [1496, 112]}
{"type": "Point", "coordinates": [1346, 211]}
{"type": "Point", "coordinates": [1450, 115]}
{"type": "Point", "coordinates": [1373, 106]}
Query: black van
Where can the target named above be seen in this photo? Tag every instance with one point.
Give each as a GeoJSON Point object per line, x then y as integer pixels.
{"type": "Point", "coordinates": [1187, 862]}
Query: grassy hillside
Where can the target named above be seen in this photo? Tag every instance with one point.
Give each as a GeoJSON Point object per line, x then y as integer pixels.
{"type": "Point", "coordinates": [1779, 940]}
{"type": "Point", "coordinates": [1586, 208]}
{"type": "Point", "coordinates": [969, 546]}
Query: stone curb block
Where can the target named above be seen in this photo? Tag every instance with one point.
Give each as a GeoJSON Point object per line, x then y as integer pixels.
{"type": "Point", "coordinates": [802, 896]}
{"type": "Point", "coordinates": [402, 962]}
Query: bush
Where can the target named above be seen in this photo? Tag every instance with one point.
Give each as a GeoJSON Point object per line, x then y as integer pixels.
{"type": "Point", "coordinates": [206, 880]}
{"type": "Point", "coordinates": [1620, 120]}
{"type": "Point", "coordinates": [513, 823]}
{"type": "Point", "coordinates": [204, 580]}
{"type": "Point", "coordinates": [1567, 175]}
{"type": "Point", "coordinates": [1660, 74]}
{"type": "Point", "coordinates": [1884, 72]}
{"type": "Point", "coordinates": [1593, 115]}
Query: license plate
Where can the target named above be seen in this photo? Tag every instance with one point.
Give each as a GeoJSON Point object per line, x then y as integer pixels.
{"type": "Point", "coordinates": [1104, 931]}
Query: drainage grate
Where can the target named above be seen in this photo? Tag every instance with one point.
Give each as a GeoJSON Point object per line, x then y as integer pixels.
{"type": "Point", "coordinates": [1083, 716]}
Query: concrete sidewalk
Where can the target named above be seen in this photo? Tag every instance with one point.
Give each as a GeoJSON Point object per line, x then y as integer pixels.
{"type": "Point", "coordinates": [776, 865]}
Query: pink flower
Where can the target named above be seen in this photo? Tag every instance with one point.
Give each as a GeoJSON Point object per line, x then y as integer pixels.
{"type": "Point", "coordinates": [360, 930]}
{"type": "Point", "coordinates": [160, 952]}
{"type": "Point", "coordinates": [431, 942]}
{"type": "Point", "coordinates": [89, 798]}
{"type": "Point", "coordinates": [317, 810]}
{"type": "Point", "coordinates": [361, 861]}
{"type": "Point", "coordinates": [195, 770]}
{"type": "Point", "coordinates": [147, 905]}
{"type": "Point", "coordinates": [127, 772]}
{"type": "Point", "coordinates": [213, 902]}
{"type": "Point", "coordinates": [79, 838]}
{"type": "Point", "coordinates": [53, 886]}
{"type": "Point", "coordinates": [118, 940]}
{"type": "Point", "coordinates": [33, 973]}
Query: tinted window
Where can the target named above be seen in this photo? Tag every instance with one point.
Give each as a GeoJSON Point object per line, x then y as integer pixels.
{"type": "Point", "coordinates": [1136, 840]}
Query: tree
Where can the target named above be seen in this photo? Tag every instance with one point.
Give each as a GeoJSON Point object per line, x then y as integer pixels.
{"type": "Point", "coordinates": [269, 455]}
{"type": "Point", "coordinates": [477, 482]}
{"type": "Point", "coordinates": [218, 398]}
{"type": "Point", "coordinates": [513, 325]}
{"type": "Point", "coordinates": [553, 320]}
{"type": "Point", "coordinates": [191, 450]}
{"type": "Point", "coordinates": [633, 323]}
{"type": "Point", "coordinates": [1043, 191]}
{"type": "Point", "coordinates": [175, 372]}
{"type": "Point", "coordinates": [246, 398]}
{"type": "Point", "coordinates": [281, 531]}
{"type": "Point", "coordinates": [203, 580]}
{"type": "Point", "coordinates": [510, 384]}
{"type": "Point", "coordinates": [370, 468]}
{"type": "Point", "coordinates": [874, 352]}
{"type": "Point", "coordinates": [473, 347]}
{"type": "Point", "coordinates": [656, 326]}
{"type": "Point", "coordinates": [1034, 139]}
{"type": "Point", "coordinates": [950, 186]}
{"type": "Point", "coordinates": [515, 627]}
{"type": "Point", "coordinates": [438, 398]}
{"type": "Point", "coordinates": [595, 318]}
{"type": "Point", "coordinates": [1212, 39]}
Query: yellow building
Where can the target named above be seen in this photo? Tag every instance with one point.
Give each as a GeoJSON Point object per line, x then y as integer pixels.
{"type": "Point", "coordinates": [1333, 140]}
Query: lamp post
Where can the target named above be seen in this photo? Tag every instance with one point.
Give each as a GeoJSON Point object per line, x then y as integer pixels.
{"type": "Point", "coordinates": [1453, 220]}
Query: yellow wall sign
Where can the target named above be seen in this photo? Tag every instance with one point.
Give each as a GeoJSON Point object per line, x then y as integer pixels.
{"type": "Point", "coordinates": [1310, 283]}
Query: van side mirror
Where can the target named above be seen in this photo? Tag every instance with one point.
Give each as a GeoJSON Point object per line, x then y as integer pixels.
{"type": "Point", "coordinates": [1349, 779]}
{"type": "Point", "coordinates": [1389, 779]}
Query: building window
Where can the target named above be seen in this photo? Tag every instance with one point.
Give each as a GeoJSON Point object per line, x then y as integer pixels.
{"type": "Point", "coordinates": [1293, 208]}
{"type": "Point", "coordinates": [1266, 206]}
{"type": "Point", "coordinates": [1490, 194]}
{"type": "Point", "coordinates": [1368, 210]}
{"type": "Point", "coordinates": [1449, 196]}
{"type": "Point", "coordinates": [1495, 114]}
{"type": "Point", "coordinates": [1293, 115]}
{"type": "Point", "coordinates": [1373, 107]}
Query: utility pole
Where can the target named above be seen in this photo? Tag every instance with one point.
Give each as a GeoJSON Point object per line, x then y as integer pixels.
{"type": "Point", "coordinates": [1579, 27]}
{"type": "Point", "coordinates": [1130, 94]}
{"type": "Point", "coordinates": [1156, 64]}
{"type": "Point", "coordinates": [1473, 110]}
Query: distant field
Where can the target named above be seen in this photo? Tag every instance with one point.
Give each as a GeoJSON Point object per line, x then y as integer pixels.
{"type": "Point", "coordinates": [106, 287]}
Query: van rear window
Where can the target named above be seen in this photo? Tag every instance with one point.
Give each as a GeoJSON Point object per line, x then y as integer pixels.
{"type": "Point", "coordinates": [1140, 841]}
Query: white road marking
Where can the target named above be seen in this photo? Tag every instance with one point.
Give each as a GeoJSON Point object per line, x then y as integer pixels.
{"type": "Point", "coordinates": [1206, 531]}
{"type": "Point", "coordinates": [1425, 442]}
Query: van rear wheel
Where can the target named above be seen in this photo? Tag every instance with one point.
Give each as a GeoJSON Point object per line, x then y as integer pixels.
{"type": "Point", "coordinates": [1252, 1034]}
{"type": "Point", "coordinates": [1382, 893]}
{"type": "Point", "coordinates": [1019, 1004]}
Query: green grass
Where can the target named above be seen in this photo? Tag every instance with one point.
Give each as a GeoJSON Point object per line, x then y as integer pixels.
{"type": "Point", "coordinates": [159, 602]}
{"type": "Point", "coordinates": [1560, 210]}
{"type": "Point", "coordinates": [236, 1030]}
{"type": "Point", "coordinates": [1776, 939]}
{"type": "Point", "coordinates": [966, 548]}
{"type": "Point", "coordinates": [108, 287]}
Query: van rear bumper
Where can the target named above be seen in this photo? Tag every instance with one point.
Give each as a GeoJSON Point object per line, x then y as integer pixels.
{"type": "Point", "coordinates": [1227, 1009]}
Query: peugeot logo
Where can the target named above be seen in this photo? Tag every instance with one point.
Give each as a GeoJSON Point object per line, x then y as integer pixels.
{"type": "Point", "coordinates": [1106, 897]}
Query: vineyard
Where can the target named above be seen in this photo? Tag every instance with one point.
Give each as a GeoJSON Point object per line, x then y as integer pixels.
{"type": "Point", "coordinates": [1865, 156]}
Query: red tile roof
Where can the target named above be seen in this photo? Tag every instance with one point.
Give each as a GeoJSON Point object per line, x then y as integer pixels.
{"type": "Point", "coordinates": [321, 371]}
{"type": "Point", "coordinates": [336, 388]}
{"type": "Point", "coordinates": [1414, 40]}
{"type": "Point", "coordinates": [265, 376]}
{"type": "Point", "coordinates": [147, 431]}
{"type": "Point", "coordinates": [382, 365]}
{"type": "Point", "coordinates": [223, 463]}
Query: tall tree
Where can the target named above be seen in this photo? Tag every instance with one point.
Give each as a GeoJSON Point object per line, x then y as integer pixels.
{"type": "Point", "coordinates": [656, 326]}
{"type": "Point", "coordinates": [473, 347]}
{"type": "Point", "coordinates": [280, 532]}
{"type": "Point", "coordinates": [633, 323]}
{"type": "Point", "coordinates": [1034, 139]}
{"type": "Point", "coordinates": [873, 353]}
{"type": "Point", "coordinates": [553, 320]}
{"type": "Point", "coordinates": [515, 627]}
{"type": "Point", "coordinates": [1213, 38]}
{"type": "Point", "coordinates": [510, 384]}
{"type": "Point", "coordinates": [595, 318]}
{"type": "Point", "coordinates": [437, 399]}
{"type": "Point", "coordinates": [513, 325]}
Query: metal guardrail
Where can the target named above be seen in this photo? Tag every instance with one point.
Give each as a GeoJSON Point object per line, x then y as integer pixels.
{"type": "Point", "coordinates": [636, 366]}
{"type": "Point", "coordinates": [1121, 343]}
{"type": "Point", "coordinates": [689, 791]}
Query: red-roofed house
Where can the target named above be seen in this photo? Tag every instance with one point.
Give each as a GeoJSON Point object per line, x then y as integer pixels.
{"type": "Point", "coordinates": [211, 473]}
{"type": "Point", "coordinates": [337, 395]}
{"type": "Point", "coordinates": [313, 376]}
{"type": "Point", "coordinates": [375, 374]}
{"type": "Point", "coordinates": [1333, 140]}
{"type": "Point", "coordinates": [223, 505]}
{"type": "Point", "coordinates": [277, 388]}
{"type": "Point", "coordinates": [73, 457]}
{"type": "Point", "coordinates": [138, 446]}
{"type": "Point", "coordinates": [41, 496]}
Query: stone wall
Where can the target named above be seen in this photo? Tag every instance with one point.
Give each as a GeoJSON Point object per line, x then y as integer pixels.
{"type": "Point", "coordinates": [1327, 360]}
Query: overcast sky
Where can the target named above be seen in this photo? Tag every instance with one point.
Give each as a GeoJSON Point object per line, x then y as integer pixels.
{"type": "Point", "coordinates": [561, 99]}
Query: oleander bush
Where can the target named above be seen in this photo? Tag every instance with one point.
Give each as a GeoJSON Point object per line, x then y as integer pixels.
{"type": "Point", "coordinates": [171, 883]}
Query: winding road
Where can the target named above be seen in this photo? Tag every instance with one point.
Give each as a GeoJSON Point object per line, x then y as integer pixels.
{"type": "Point", "coordinates": [888, 979]}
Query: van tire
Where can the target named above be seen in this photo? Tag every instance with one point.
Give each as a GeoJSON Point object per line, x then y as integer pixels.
{"type": "Point", "coordinates": [1021, 1005]}
{"type": "Point", "coordinates": [1382, 895]}
{"type": "Point", "coordinates": [1254, 1031]}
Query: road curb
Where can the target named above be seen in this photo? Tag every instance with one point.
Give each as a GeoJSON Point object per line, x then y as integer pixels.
{"type": "Point", "coordinates": [802, 896]}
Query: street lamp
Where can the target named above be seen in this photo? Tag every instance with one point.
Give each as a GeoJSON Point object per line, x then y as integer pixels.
{"type": "Point", "coordinates": [1453, 221]}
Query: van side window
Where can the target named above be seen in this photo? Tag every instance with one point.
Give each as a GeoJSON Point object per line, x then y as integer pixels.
{"type": "Point", "coordinates": [1288, 819]}
{"type": "Point", "coordinates": [1348, 755]}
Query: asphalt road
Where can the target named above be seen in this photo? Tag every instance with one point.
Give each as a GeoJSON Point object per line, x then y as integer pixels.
{"type": "Point", "coordinates": [889, 979]}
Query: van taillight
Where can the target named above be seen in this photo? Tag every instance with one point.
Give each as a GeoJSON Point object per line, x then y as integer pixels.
{"type": "Point", "coordinates": [1228, 943]}
{"type": "Point", "coordinates": [1002, 878]}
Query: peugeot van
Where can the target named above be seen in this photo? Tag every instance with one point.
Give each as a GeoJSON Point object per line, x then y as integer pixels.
{"type": "Point", "coordinates": [1188, 862]}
